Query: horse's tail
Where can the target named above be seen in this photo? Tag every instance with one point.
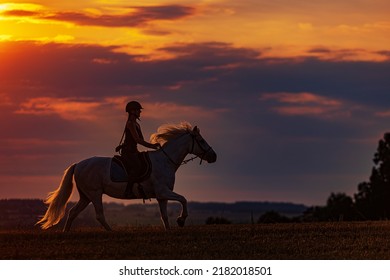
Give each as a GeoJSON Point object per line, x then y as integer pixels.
{"type": "Point", "coordinates": [58, 199]}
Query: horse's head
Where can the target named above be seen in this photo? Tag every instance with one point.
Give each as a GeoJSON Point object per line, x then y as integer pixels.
{"type": "Point", "coordinates": [201, 148]}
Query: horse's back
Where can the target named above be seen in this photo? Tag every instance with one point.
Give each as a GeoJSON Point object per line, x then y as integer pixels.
{"type": "Point", "coordinates": [94, 168]}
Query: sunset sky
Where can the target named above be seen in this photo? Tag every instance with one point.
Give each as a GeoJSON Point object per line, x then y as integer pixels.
{"type": "Point", "coordinates": [292, 95]}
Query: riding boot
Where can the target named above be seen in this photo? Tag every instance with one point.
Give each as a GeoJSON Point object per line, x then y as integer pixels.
{"type": "Point", "coordinates": [132, 165]}
{"type": "Point", "coordinates": [129, 189]}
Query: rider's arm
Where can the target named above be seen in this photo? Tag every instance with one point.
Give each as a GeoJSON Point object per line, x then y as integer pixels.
{"type": "Point", "coordinates": [131, 125]}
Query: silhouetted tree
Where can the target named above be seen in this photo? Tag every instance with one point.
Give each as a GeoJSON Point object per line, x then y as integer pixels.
{"type": "Point", "coordinates": [316, 214]}
{"type": "Point", "coordinates": [271, 217]}
{"type": "Point", "coordinates": [341, 207]}
{"type": "Point", "coordinates": [373, 197]}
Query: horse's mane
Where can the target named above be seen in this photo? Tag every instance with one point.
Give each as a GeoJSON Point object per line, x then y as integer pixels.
{"type": "Point", "coordinates": [167, 132]}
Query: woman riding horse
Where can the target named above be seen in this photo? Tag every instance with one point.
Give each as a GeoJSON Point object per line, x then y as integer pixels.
{"type": "Point", "coordinates": [92, 177]}
{"type": "Point", "coordinates": [133, 136]}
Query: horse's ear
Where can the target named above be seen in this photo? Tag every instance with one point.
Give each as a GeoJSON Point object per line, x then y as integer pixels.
{"type": "Point", "coordinates": [196, 129]}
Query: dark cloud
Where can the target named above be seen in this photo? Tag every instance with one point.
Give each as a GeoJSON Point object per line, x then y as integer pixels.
{"type": "Point", "coordinates": [69, 66]}
{"type": "Point", "coordinates": [140, 16]}
{"type": "Point", "coordinates": [385, 53]}
{"type": "Point", "coordinates": [222, 53]}
{"type": "Point", "coordinates": [319, 50]}
{"type": "Point", "coordinates": [163, 12]}
{"type": "Point", "coordinates": [20, 13]}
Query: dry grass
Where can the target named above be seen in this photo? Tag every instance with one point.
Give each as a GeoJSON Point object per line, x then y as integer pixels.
{"type": "Point", "coordinates": [359, 240]}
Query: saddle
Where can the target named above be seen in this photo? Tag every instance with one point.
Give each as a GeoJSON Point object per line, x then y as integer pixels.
{"type": "Point", "coordinates": [124, 170]}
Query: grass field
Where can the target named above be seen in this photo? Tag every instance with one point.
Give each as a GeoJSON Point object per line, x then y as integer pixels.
{"type": "Point", "coordinates": [342, 240]}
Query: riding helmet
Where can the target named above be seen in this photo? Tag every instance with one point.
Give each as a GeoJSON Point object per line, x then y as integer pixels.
{"type": "Point", "coordinates": [133, 105]}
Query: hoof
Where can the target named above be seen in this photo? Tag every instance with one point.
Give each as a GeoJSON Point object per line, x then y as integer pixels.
{"type": "Point", "coordinates": [181, 221]}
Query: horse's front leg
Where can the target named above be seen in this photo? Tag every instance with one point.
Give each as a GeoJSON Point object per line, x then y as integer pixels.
{"type": "Point", "coordinates": [181, 220]}
{"type": "Point", "coordinates": [177, 197]}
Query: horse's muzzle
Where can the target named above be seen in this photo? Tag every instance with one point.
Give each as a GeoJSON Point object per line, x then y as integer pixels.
{"type": "Point", "coordinates": [211, 157]}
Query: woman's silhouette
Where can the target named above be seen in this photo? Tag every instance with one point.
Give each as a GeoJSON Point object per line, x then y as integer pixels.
{"type": "Point", "coordinates": [133, 136]}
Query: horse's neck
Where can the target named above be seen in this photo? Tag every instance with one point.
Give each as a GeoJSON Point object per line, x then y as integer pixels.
{"type": "Point", "coordinates": [178, 148]}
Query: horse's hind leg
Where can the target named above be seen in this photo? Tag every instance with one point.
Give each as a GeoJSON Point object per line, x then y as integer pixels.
{"type": "Point", "coordinates": [75, 211]}
{"type": "Point", "coordinates": [163, 211]}
{"type": "Point", "coordinates": [98, 204]}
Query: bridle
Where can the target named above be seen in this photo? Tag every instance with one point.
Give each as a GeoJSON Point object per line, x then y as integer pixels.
{"type": "Point", "coordinates": [201, 156]}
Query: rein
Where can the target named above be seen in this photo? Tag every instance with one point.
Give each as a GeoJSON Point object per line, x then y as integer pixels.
{"type": "Point", "coordinates": [192, 150]}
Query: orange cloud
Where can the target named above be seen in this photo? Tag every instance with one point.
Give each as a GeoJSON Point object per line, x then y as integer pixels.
{"type": "Point", "coordinates": [301, 110]}
{"type": "Point", "coordinates": [69, 109]}
{"type": "Point", "coordinates": [304, 104]}
{"type": "Point", "coordinates": [303, 97]}
{"type": "Point", "coordinates": [383, 114]}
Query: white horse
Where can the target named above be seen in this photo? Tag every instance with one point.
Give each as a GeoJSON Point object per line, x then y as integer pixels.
{"type": "Point", "coordinates": [92, 178]}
